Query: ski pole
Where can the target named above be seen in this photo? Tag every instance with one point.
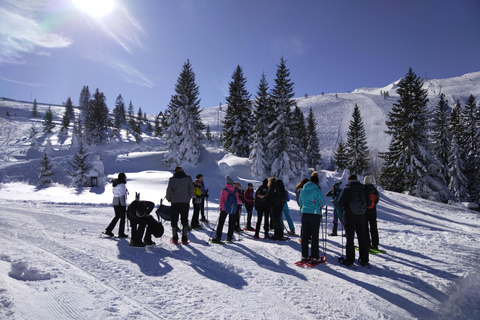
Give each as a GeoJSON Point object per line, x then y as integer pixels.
{"type": "Point", "coordinates": [213, 229]}
{"type": "Point", "coordinates": [326, 226]}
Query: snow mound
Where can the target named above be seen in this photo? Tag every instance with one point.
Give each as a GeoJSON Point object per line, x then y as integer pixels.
{"type": "Point", "coordinates": [22, 272]}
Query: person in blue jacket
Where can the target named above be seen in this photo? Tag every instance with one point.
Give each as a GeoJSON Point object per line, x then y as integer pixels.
{"type": "Point", "coordinates": [337, 209]}
{"type": "Point", "coordinates": [311, 202]}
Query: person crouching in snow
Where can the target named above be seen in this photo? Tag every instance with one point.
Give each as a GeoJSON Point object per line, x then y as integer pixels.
{"type": "Point", "coordinates": [311, 202]}
{"type": "Point", "coordinates": [229, 189]}
{"type": "Point", "coordinates": [337, 209]}
{"type": "Point", "coordinates": [139, 216]}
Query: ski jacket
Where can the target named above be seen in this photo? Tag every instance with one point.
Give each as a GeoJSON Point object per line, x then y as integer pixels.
{"type": "Point", "coordinates": [277, 199]}
{"type": "Point", "coordinates": [335, 193]}
{"type": "Point", "coordinates": [180, 188]}
{"type": "Point", "coordinates": [261, 202]}
{"type": "Point", "coordinates": [132, 208]}
{"type": "Point", "coordinates": [248, 196]}
{"type": "Point", "coordinates": [311, 199]}
{"type": "Point", "coordinates": [197, 195]}
{"type": "Point", "coordinates": [346, 196]}
{"type": "Point", "coordinates": [119, 193]}
{"type": "Point", "coordinates": [224, 195]}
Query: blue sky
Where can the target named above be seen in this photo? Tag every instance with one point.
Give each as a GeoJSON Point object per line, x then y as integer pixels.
{"type": "Point", "coordinates": [50, 49]}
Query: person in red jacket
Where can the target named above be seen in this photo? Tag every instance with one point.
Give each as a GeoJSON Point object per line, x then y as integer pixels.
{"type": "Point", "coordinates": [229, 189]}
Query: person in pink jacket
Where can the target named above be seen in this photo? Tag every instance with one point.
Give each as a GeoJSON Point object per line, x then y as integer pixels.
{"type": "Point", "coordinates": [229, 189]}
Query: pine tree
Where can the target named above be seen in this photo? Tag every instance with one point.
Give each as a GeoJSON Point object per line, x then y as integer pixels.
{"type": "Point", "coordinates": [48, 124]}
{"type": "Point", "coordinates": [34, 109]}
{"type": "Point", "coordinates": [286, 155]}
{"type": "Point", "coordinates": [237, 124]}
{"type": "Point", "coordinates": [184, 126]}
{"type": "Point", "coordinates": [45, 175]}
{"type": "Point", "coordinates": [80, 167]}
{"type": "Point", "coordinates": [440, 134]}
{"type": "Point", "coordinates": [456, 159]}
{"type": "Point", "coordinates": [299, 128]}
{"type": "Point", "coordinates": [119, 113]}
{"type": "Point", "coordinates": [84, 103]}
{"type": "Point", "coordinates": [340, 155]}
{"type": "Point", "coordinates": [357, 148]}
{"type": "Point", "coordinates": [410, 165]}
{"type": "Point", "coordinates": [261, 114]}
{"type": "Point", "coordinates": [313, 149]}
{"type": "Point", "coordinates": [471, 126]}
{"type": "Point", "coordinates": [208, 134]}
{"type": "Point", "coordinates": [157, 127]}
{"type": "Point", "coordinates": [96, 122]}
{"type": "Point", "coordinates": [68, 115]}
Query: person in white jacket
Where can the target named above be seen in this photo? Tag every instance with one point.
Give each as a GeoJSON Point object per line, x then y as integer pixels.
{"type": "Point", "coordinates": [119, 205]}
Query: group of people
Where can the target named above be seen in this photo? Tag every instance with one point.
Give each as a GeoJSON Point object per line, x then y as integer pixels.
{"type": "Point", "coordinates": [354, 208]}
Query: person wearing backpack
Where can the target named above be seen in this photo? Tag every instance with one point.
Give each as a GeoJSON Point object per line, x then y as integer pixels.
{"type": "Point", "coordinates": [371, 213]}
{"type": "Point", "coordinates": [180, 190]}
{"type": "Point", "coordinates": [119, 205]}
{"type": "Point", "coordinates": [337, 209]}
{"type": "Point", "coordinates": [263, 210]}
{"type": "Point", "coordinates": [354, 200]}
{"type": "Point", "coordinates": [276, 196]}
{"type": "Point", "coordinates": [228, 207]}
{"type": "Point", "coordinates": [311, 203]}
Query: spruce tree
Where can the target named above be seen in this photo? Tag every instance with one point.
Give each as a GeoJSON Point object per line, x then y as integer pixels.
{"type": "Point", "coordinates": [440, 134]}
{"type": "Point", "coordinates": [45, 175]}
{"type": "Point", "coordinates": [299, 128]}
{"type": "Point", "coordinates": [410, 165]}
{"type": "Point", "coordinates": [34, 109]}
{"type": "Point", "coordinates": [84, 103]}
{"type": "Point", "coordinates": [312, 149]}
{"type": "Point", "coordinates": [96, 122]}
{"type": "Point", "coordinates": [208, 134]}
{"type": "Point", "coordinates": [237, 124]}
{"type": "Point", "coordinates": [340, 155]}
{"type": "Point", "coordinates": [357, 149]}
{"type": "Point", "coordinates": [286, 155]}
{"type": "Point", "coordinates": [471, 124]}
{"type": "Point", "coordinates": [157, 126]}
{"type": "Point", "coordinates": [456, 160]}
{"type": "Point", "coordinates": [48, 124]}
{"type": "Point", "coordinates": [261, 115]}
{"type": "Point", "coordinates": [119, 113]}
{"type": "Point", "coordinates": [68, 115]}
{"type": "Point", "coordinates": [184, 126]}
{"type": "Point", "coordinates": [79, 167]}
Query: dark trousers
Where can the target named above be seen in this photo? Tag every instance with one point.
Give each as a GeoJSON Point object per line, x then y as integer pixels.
{"type": "Point", "coordinates": [310, 230]}
{"type": "Point", "coordinates": [249, 207]}
{"type": "Point", "coordinates": [371, 219]}
{"type": "Point", "coordinates": [238, 214]}
{"type": "Point", "coordinates": [202, 208]}
{"type": "Point", "coordinates": [221, 222]}
{"type": "Point", "coordinates": [356, 223]}
{"type": "Point", "coordinates": [180, 210]}
{"type": "Point", "coordinates": [277, 222]}
{"type": "Point", "coordinates": [196, 213]}
{"type": "Point", "coordinates": [120, 212]}
{"type": "Point", "coordinates": [138, 228]}
{"type": "Point", "coordinates": [262, 211]}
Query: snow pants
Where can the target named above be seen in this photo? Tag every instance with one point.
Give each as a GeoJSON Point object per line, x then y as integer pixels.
{"type": "Point", "coordinates": [231, 225]}
{"type": "Point", "coordinates": [262, 211]}
{"type": "Point", "coordinates": [286, 213]}
{"type": "Point", "coordinates": [249, 207]}
{"type": "Point", "coordinates": [120, 213]}
{"type": "Point", "coordinates": [356, 223]}
{"type": "Point", "coordinates": [180, 210]}
{"type": "Point", "coordinates": [310, 230]}
{"type": "Point", "coordinates": [371, 228]}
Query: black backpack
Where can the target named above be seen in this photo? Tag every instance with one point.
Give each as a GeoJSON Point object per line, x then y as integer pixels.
{"type": "Point", "coordinates": [358, 204]}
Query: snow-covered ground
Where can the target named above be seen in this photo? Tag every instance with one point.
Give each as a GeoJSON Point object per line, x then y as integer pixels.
{"type": "Point", "coordinates": [54, 263]}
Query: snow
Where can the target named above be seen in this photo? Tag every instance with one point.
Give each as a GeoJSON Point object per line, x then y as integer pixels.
{"type": "Point", "coordinates": [54, 263]}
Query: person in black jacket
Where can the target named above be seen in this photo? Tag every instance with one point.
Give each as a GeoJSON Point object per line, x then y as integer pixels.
{"type": "Point", "coordinates": [371, 213]}
{"type": "Point", "coordinates": [262, 207]}
{"type": "Point", "coordinates": [276, 196]}
{"type": "Point", "coordinates": [139, 215]}
{"type": "Point", "coordinates": [354, 200]}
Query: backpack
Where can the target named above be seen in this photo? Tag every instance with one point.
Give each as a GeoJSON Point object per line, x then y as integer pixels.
{"type": "Point", "coordinates": [358, 204]}
{"type": "Point", "coordinates": [231, 203]}
{"type": "Point", "coordinates": [372, 200]}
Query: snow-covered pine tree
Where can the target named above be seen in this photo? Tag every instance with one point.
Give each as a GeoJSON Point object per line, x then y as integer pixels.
{"type": "Point", "coordinates": [119, 113]}
{"type": "Point", "coordinates": [287, 160]}
{"type": "Point", "coordinates": [456, 160]}
{"type": "Point", "coordinates": [45, 175]}
{"type": "Point", "coordinates": [68, 115]}
{"type": "Point", "coordinates": [157, 126]}
{"type": "Point", "coordinates": [357, 149]}
{"type": "Point", "coordinates": [261, 114]}
{"type": "Point", "coordinates": [237, 125]}
{"type": "Point", "coordinates": [48, 124]}
{"type": "Point", "coordinates": [410, 165]}
{"type": "Point", "coordinates": [471, 127]}
{"type": "Point", "coordinates": [80, 167]}
{"type": "Point", "coordinates": [299, 128]}
{"type": "Point", "coordinates": [340, 155]}
{"type": "Point", "coordinates": [96, 122]}
{"type": "Point", "coordinates": [84, 104]}
{"type": "Point", "coordinates": [313, 149]}
{"type": "Point", "coordinates": [184, 126]}
{"type": "Point", "coordinates": [208, 134]}
{"type": "Point", "coordinates": [34, 109]}
{"type": "Point", "coordinates": [131, 118]}
{"type": "Point", "coordinates": [440, 134]}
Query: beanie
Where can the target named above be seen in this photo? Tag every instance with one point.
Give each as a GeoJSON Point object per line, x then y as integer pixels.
{"type": "Point", "coordinates": [368, 180]}
{"type": "Point", "coordinates": [228, 180]}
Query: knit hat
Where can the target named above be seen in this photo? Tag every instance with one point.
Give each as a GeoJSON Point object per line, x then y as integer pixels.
{"type": "Point", "coordinates": [368, 180]}
{"type": "Point", "coordinates": [228, 180]}
{"type": "Point", "coordinates": [199, 176]}
{"type": "Point", "coordinates": [250, 184]}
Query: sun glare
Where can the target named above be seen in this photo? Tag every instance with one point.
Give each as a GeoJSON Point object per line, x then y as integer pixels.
{"type": "Point", "coordinates": [95, 8]}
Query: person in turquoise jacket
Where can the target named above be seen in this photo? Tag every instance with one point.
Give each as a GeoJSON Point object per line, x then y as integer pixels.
{"type": "Point", "coordinates": [311, 201]}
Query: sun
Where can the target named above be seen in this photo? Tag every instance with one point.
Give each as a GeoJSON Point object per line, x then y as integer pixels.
{"type": "Point", "coordinates": [95, 8]}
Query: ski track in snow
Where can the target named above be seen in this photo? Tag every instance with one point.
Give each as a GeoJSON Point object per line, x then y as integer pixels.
{"type": "Point", "coordinates": [91, 277]}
